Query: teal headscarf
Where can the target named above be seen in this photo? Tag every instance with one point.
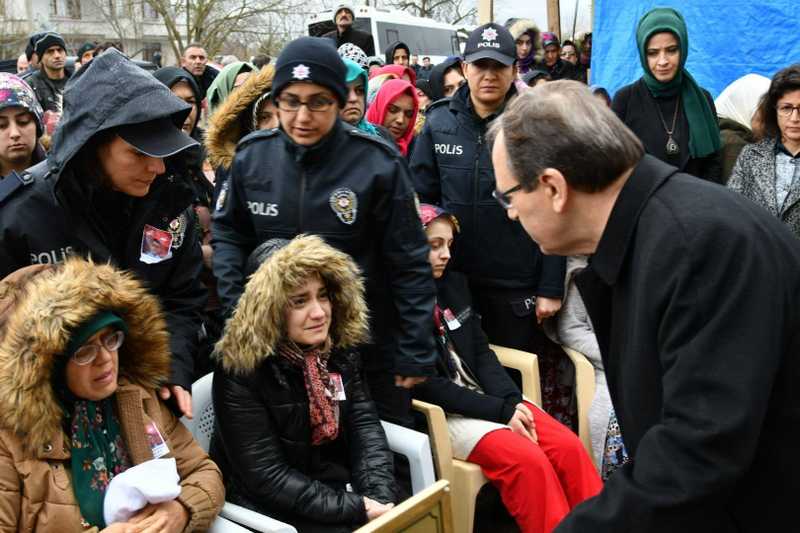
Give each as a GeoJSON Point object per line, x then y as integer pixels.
{"type": "Point", "coordinates": [354, 72]}
{"type": "Point", "coordinates": [704, 136]}
{"type": "Point", "coordinates": [222, 85]}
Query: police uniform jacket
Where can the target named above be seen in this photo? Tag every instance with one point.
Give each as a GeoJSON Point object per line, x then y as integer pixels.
{"type": "Point", "coordinates": [452, 166]}
{"type": "Point", "coordinates": [52, 211]}
{"type": "Point", "coordinates": [693, 294]}
{"type": "Point", "coordinates": [353, 190]}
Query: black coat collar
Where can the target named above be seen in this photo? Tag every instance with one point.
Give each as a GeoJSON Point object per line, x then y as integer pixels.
{"type": "Point", "coordinates": [648, 175]}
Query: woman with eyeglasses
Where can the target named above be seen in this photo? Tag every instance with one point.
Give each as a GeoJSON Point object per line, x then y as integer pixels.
{"type": "Point", "coordinates": [83, 348]}
{"type": "Point", "coordinates": [768, 172]}
{"type": "Point", "coordinates": [666, 108]}
{"type": "Point", "coordinates": [317, 174]}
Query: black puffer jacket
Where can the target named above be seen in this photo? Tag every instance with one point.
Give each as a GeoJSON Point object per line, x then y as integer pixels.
{"type": "Point", "coordinates": [59, 212]}
{"type": "Point", "coordinates": [262, 439]}
{"type": "Point", "coordinates": [501, 394]}
{"type": "Point", "coordinates": [353, 189]}
{"type": "Point", "coordinates": [451, 166]}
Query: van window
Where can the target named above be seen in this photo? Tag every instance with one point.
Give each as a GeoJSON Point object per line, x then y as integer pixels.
{"type": "Point", "coordinates": [421, 40]}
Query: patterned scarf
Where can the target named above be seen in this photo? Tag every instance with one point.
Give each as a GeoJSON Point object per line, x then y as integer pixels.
{"type": "Point", "coordinates": [322, 404]}
{"type": "Point", "coordinates": [98, 454]}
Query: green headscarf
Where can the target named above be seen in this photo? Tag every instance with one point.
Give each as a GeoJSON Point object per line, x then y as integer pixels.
{"type": "Point", "coordinates": [222, 86]}
{"type": "Point", "coordinates": [354, 72]}
{"type": "Point", "coordinates": [97, 449]}
{"type": "Point", "coordinates": [704, 136]}
{"type": "Point", "coordinates": [98, 454]}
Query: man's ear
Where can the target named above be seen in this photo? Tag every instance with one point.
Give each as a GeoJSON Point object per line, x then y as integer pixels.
{"type": "Point", "coordinates": [556, 188]}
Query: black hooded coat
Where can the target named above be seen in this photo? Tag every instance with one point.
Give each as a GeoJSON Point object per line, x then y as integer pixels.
{"type": "Point", "coordinates": [58, 209]}
{"type": "Point", "coordinates": [390, 50]}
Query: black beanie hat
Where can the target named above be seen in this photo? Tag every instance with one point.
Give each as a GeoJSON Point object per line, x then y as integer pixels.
{"type": "Point", "coordinates": [311, 59]}
{"type": "Point", "coordinates": [30, 48]}
{"type": "Point", "coordinates": [46, 40]}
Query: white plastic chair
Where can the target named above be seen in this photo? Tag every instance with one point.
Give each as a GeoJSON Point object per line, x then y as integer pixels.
{"type": "Point", "coordinates": [202, 427]}
{"type": "Point", "coordinates": [416, 446]}
{"type": "Point", "coordinates": [413, 444]}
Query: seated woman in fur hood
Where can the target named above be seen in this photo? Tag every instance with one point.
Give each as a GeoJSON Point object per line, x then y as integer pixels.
{"type": "Point", "coordinates": [295, 425]}
{"type": "Point", "coordinates": [83, 348]}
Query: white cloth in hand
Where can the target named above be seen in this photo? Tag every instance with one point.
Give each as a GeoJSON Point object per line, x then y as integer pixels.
{"type": "Point", "coordinates": [153, 481]}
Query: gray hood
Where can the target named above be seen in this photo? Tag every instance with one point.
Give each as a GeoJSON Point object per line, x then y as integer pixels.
{"type": "Point", "coordinates": [110, 91]}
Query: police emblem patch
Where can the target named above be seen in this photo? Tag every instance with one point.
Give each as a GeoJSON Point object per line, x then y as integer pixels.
{"type": "Point", "coordinates": [222, 195]}
{"type": "Point", "coordinates": [344, 203]}
{"type": "Point", "coordinates": [177, 228]}
{"type": "Point", "coordinates": [301, 72]}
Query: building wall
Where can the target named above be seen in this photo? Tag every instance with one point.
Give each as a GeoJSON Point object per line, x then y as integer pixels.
{"type": "Point", "coordinates": [83, 20]}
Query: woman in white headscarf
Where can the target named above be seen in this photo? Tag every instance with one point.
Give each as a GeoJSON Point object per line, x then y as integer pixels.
{"type": "Point", "coordinates": [736, 106]}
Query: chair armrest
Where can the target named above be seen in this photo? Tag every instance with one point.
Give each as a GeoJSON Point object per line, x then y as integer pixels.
{"type": "Point", "coordinates": [439, 436]}
{"type": "Point", "coordinates": [223, 525]}
{"type": "Point", "coordinates": [584, 391]}
{"type": "Point", "coordinates": [254, 520]}
{"type": "Point", "coordinates": [528, 365]}
{"type": "Point", "coordinates": [416, 447]}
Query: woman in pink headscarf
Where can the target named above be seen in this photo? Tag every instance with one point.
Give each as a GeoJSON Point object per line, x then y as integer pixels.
{"type": "Point", "coordinates": [395, 108]}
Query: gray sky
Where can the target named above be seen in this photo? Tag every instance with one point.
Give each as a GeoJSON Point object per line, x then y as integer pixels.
{"type": "Point", "coordinates": [537, 10]}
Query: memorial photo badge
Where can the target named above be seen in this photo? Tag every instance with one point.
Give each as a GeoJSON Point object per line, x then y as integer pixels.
{"type": "Point", "coordinates": [345, 204]}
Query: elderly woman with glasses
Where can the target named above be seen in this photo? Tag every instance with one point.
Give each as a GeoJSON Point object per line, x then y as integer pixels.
{"type": "Point", "coordinates": [768, 172]}
{"type": "Point", "coordinates": [83, 348]}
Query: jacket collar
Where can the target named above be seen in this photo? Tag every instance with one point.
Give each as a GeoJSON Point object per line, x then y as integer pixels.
{"type": "Point", "coordinates": [462, 103]}
{"type": "Point", "coordinates": [648, 175]}
{"type": "Point", "coordinates": [308, 155]}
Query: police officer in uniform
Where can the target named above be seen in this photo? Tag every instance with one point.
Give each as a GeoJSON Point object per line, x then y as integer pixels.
{"type": "Point", "coordinates": [104, 192]}
{"type": "Point", "coordinates": [514, 286]}
{"type": "Point", "coordinates": [317, 174]}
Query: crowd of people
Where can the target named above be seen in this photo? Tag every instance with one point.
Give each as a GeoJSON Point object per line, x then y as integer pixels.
{"type": "Point", "coordinates": [336, 233]}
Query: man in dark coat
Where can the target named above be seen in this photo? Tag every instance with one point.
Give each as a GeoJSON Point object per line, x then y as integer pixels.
{"type": "Point", "coordinates": [344, 17]}
{"type": "Point", "coordinates": [49, 81]}
{"type": "Point", "coordinates": [692, 291]}
{"type": "Point", "coordinates": [195, 62]}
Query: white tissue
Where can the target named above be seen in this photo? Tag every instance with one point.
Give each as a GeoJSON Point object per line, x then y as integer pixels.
{"type": "Point", "coordinates": [153, 481]}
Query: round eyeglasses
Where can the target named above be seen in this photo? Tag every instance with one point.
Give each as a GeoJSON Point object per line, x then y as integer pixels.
{"type": "Point", "coordinates": [87, 353]}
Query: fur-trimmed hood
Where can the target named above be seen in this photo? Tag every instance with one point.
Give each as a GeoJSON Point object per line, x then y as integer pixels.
{"type": "Point", "coordinates": [521, 26]}
{"type": "Point", "coordinates": [225, 126]}
{"type": "Point", "coordinates": [40, 309]}
{"type": "Point", "coordinates": [257, 326]}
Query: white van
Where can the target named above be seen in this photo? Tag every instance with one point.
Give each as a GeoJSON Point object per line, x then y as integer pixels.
{"type": "Point", "coordinates": [424, 37]}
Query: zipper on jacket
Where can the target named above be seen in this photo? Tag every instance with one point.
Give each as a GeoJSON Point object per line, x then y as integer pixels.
{"type": "Point", "coordinates": [476, 179]}
{"type": "Point", "coordinates": [302, 197]}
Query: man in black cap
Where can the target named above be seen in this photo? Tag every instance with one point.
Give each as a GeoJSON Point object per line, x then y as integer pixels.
{"type": "Point", "coordinates": [49, 81]}
{"type": "Point", "coordinates": [317, 174]}
{"type": "Point", "coordinates": [103, 192]}
{"type": "Point", "coordinates": [513, 285]}
{"type": "Point", "coordinates": [344, 17]}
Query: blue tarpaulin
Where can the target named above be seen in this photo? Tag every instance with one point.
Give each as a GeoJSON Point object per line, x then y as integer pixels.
{"type": "Point", "coordinates": [727, 39]}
